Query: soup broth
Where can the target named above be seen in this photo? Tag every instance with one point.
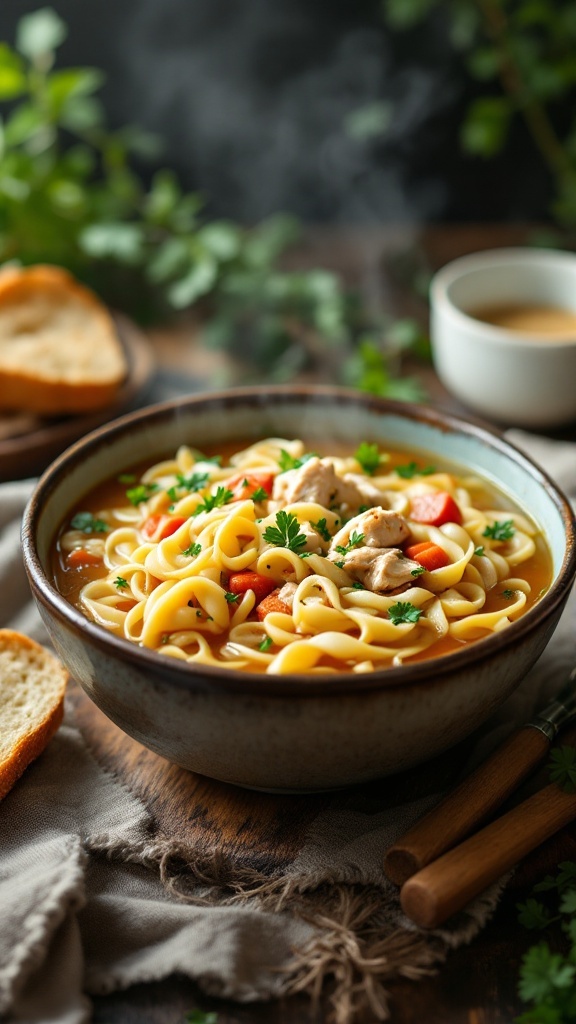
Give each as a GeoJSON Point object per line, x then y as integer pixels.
{"type": "Point", "coordinates": [277, 558]}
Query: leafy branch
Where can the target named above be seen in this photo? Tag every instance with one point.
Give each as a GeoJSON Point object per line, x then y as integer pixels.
{"type": "Point", "coordinates": [70, 194]}
{"type": "Point", "coordinates": [524, 51]}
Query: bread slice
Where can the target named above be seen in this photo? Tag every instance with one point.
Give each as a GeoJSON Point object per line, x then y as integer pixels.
{"type": "Point", "coordinates": [59, 349]}
{"type": "Point", "coordinates": [32, 686]}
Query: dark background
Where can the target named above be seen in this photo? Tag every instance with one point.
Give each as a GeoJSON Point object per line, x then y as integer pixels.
{"type": "Point", "coordinates": [252, 99]}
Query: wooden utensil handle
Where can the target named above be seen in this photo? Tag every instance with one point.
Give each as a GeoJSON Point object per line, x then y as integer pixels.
{"type": "Point", "coordinates": [447, 885]}
{"type": "Point", "coordinates": [468, 805]}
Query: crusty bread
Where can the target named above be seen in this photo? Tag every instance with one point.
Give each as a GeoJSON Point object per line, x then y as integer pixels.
{"type": "Point", "coordinates": [32, 686]}
{"type": "Point", "coordinates": [59, 349]}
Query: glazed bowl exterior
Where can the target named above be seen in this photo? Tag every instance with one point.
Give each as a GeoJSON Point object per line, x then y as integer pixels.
{"type": "Point", "coordinates": [512, 377]}
{"type": "Point", "coordinates": [294, 732]}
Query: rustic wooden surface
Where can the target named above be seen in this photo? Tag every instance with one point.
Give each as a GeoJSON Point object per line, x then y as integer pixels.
{"type": "Point", "coordinates": [478, 983]}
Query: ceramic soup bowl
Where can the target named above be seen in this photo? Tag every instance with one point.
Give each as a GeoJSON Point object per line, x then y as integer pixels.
{"type": "Point", "coordinates": [294, 732]}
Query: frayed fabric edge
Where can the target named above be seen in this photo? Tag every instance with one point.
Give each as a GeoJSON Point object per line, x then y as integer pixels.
{"type": "Point", "coordinates": [359, 948]}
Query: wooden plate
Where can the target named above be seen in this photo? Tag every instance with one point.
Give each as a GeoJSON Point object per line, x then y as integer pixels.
{"type": "Point", "coordinates": [29, 443]}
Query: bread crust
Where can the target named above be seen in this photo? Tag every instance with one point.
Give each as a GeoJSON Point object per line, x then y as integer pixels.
{"type": "Point", "coordinates": [72, 360]}
{"type": "Point", "coordinates": [32, 687]}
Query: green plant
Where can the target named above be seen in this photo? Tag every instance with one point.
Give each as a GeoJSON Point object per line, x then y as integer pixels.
{"type": "Point", "coordinates": [70, 194]}
{"type": "Point", "coordinates": [523, 50]}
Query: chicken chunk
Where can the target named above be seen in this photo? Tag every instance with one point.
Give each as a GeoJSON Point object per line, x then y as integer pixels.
{"type": "Point", "coordinates": [390, 569]}
{"type": "Point", "coordinates": [286, 593]}
{"type": "Point", "coordinates": [316, 481]}
{"type": "Point", "coordinates": [378, 528]}
{"type": "Point", "coordinates": [314, 542]}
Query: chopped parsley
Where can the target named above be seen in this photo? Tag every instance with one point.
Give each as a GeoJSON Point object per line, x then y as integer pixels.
{"type": "Point", "coordinates": [479, 550]}
{"type": "Point", "coordinates": [508, 594]}
{"type": "Point", "coordinates": [286, 533]}
{"type": "Point", "coordinates": [340, 564]}
{"type": "Point", "coordinates": [287, 461]}
{"type": "Point", "coordinates": [87, 523]}
{"type": "Point", "coordinates": [230, 597]}
{"type": "Point", "coordinates": [368, 456]}
{"type": "Point", "coordinates": [127, 478]}
{"type": "Point", "coordinates": [120, 582]}
{"type": "Point", "coordinates": [193, 483]}
{"type": "Point", "coordinates": [217, 500]}
{"type": "Point", "coordinates": [355, 540]}
{"type": "Point", "coordinates": [192, 551]}
{"type": "Point", "coordinates": [266, 643]}
{"type": "Point", "coordinates": [200, 457]}
{"type": "Point", "coordinates": [404, 611]}
{"type": "Point", "coordinates": [500, 530]}
{"type": "Point", "coordinates": [358, 586]}
{"type": "Point", "coordinates": [418, 571]}
{"type": "Point", "coordinates": [260, 495]}
{"type": "Point", "coordinates": [322, 529]}
{"type": "Point", "coordinates": [411, 469]}
{"type": "Point", "coordinates": [141, 493]}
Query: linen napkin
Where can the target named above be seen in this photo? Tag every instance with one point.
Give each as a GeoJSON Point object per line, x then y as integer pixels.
{"type": "Point", "coordinates": [87, 906]}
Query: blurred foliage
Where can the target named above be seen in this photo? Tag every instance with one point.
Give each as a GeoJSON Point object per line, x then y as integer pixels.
{"type": "Point", "coordinates": [70, 194]}
{"type": "Point", "coordinates": [524, 52]}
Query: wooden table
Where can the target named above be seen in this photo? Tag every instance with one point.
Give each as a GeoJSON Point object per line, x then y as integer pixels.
{"type": "Point", "coordinates": [478, 983]}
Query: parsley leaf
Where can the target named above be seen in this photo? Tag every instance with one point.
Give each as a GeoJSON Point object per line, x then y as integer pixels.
{"type": "Point", "coordinates": [287, 461]}
{"type": "Point", "coordinates": [141, 493]}
{"type": "Point", "coordinates": [217, 500]}
{"type": "Point", "coordinates": [411, 469]}
{"type": "Point", "coordinates": [260, 494]}
{"type": "Point", "coordinates": [533, 914]}
{"type": "Point", "coordinates": [192, 551]}
{"type": "Point", "coordinates": [322, 529]}
{"type": "Point", "coordinates": [479, 550]}
{"type": "Point", "coordinates": [230, 597]}
{"type": "Point", "coordinates": [86, 522]}
{"type": "Point", "coordinates": [562, 768]}
{"type": "Point", "coordinates": [500, 530]}
{"type": "Point", "coordinates": [404, 611]}
{"type": "Point", "coordinates": [508, 593]}
{"type": "Point", "coordinates": [191, 484]}
{"type": "Point", "coordinates": [368, 456]}
{"type": "Point", "coordinates": [120, 582]}
{"type": "Point", "coordinates": [418, 571]}
{"type": "Point", "coordinates": [358, 586]}
{"type": "Point", "coordinates": [286, 533]}
{"type": "Point", "coordinates": [266, 643]}
{"type": "Point", "coordinates": [355, 540]}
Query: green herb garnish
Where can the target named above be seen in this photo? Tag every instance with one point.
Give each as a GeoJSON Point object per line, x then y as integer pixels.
{"type": "Point", "coordinates": [508, 593]}
{"type": "Point", "coordinates": [322, 529]}
{"type": "Point", "coordinates": [260, 495]}
{"type": "Point", "coordinates": [126, 478]}
{"type": "Point", "coordinates": [404, 611]}
{"type": "Point", "coordinates": [136, 495]}
{"type": "Point", "coordinates": [287, 461]}
{"type": "Point", "coordinates": [192, 551]}
{"type": "Point", "coordinates": [479, 550]}
{"type": "Point", "coordinates": [500, 530]}
{"type": "Point", "coordinates": [418, 571]}
{"type": "Point", "coordinates": [286, 533]}
{"type": "Point", "coordinates": [211, 501]}
{"type": "Point", "coordinates": [355, 540]}
{"type": "Point", "coordinates": [230, 597]}
{"type": "Point", "coordinates": [86, 522]}
{"type": "Point", "coordinates": [562, 769]}
{"type": "Point", "coordinates": [411, 469]}
{"type": "Point", "coordinates": [120, 582]}
{"type": "Point", "coordinates": [368, 456]}
{"type": "Point", "coordinates": [358, 586]}
{"type": "Point", "coordinates": [201, 1017]}
{"type": "Point", "coordinates": [191, 484]}
{"type": "Point", "coordinates": [266, 643]}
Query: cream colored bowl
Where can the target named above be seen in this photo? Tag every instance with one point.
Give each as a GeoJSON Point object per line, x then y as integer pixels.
{"type": "Point", "coordinates": [509, 376]}
{"type": "Point", "coordinates": [297, 732]}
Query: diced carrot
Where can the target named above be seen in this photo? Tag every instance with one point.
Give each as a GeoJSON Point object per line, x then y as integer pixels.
{"type": "Point", "coordinates": [160, 526]}
{"type": "Point", "coordinates": [79, 556]}
{"type": "Point", "coordinates": [429, 555]}
{"type": "Point", "coordinates": [244, 485]}
{"type": "Point", "coordinates": [435, 509]}
{"type": "Point", "coordinates": [272, 603]}
{"type": "Point", "coordinates": [240, 582]}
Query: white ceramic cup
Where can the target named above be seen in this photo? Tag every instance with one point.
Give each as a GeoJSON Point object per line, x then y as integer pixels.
{"type": "Point", "coordinates": [512, 377]}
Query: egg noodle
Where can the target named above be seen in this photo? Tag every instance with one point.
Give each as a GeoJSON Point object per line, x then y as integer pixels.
{"type": "Point", "coordinates": [187, 593]}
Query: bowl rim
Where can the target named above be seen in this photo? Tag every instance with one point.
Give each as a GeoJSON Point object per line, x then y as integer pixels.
{"type": "Point", "coordinates": [190, 676]}
{"type": "Point", "coordinates": [442, 303]}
